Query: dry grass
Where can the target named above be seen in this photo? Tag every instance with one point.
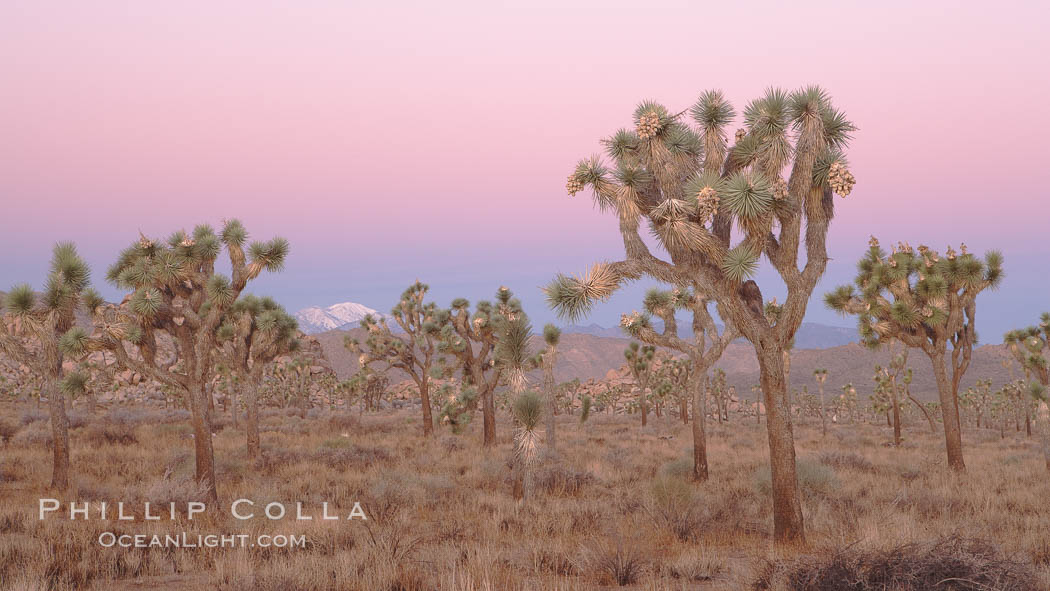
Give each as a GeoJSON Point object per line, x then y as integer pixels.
{"type": "Point", "coordinates": [613, 508]}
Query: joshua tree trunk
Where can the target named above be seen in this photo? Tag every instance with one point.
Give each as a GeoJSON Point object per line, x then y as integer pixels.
{"type": "Point", "coordinates": [699, 433]}
{"type": "Point", "coordinates": [252, 419]}
{"type": "Point", "coordinates": [642, 403]}
{"type": "Point", "coordinates": [234, 414]}
{"type": "Point", "coordinates": [428, 419]}
{"type": "Point", "coordinates": [488, 413]}
{"type": "Point", "coordinates": [823, 412]}
{"type": "Point", "coordinates": [202, 444]}
{"type": "Point", "coordinates": [551, 393]}
{"type": "Point", "coordinates": [949, 413]}
{"type": "Point", "coordinates": [59, 433]}
{"type": "Point", "coordinates": [787, 506]}
{"type": "Point", "coordinates": [683, 409]}
{"type": "Point", "coordinates": [925, 413]}
{"type": "Point", "coordinates": [1043, 416]}
{"type": "Point", "coordinates": [896, 413]}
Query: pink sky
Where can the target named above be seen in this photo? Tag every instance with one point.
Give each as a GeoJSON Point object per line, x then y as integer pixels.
{"type": "Point", "coordinates": [432, 140]}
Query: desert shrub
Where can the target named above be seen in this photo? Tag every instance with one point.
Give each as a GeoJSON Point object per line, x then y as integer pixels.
{"type": "Point", "coordinates": [695, 566]}
{"type": "Point", "coordinates": [560, 480]}
{"type": "Point", "coordinates": [78, 419]}
{"type": "Point", "coordinates": [350, 456]}
{"type": "Point", "coordinates": [33, 415]}
{"type": "Point", "coordinates": [343, 422]}
{"type": "Point", "coordinates": [35, 434]}
{"type": "Point", "coordinates": [674, 505]}
{"type": "Point", "coordinates": [680, 468]}
{"type": "Point", "coordinates": [954, 563]}
{"type": "Point", "coordinates": [173, 489]}
{"type": "Point", "coordinates": [617, 563]}
{"type": "Point", "coordinates": [813, 478]}
{"type": "Point", "coordinates": [847, 461]}
{"type": "Point", "coordinates": [336, 443]}
{"type": "Point", "coordinates": [119, 433]}
{"type": "Point", "coordinates": [8, 429]}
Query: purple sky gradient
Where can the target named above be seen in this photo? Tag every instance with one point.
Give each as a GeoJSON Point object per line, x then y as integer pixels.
{"type": "Point", "coordinates": [432, 140]}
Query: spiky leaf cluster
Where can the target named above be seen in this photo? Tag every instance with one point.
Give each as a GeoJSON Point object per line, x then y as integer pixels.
{"type": "Point", "coordinates": [916, 295]}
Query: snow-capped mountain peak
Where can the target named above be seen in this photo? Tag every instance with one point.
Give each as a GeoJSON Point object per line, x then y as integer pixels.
{"type": "Point", "coordinates": [345, 315]}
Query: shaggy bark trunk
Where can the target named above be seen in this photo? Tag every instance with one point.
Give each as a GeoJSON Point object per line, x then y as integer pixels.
{"type": "Point", "coordinates": [949, 413]}
{"type": "Point", "coordinates": [252, 419]}
{"type": "Point", "coordinates": [488, 412]}
{"type": "Point", "coordinates": [823, 413]}
{"type": "Point", "coordinates": [552, 403]}
{"type": "Point", "coordinates": [59, 433]}
{"type": "Point", "coordinates": [787, 505]}
{"type": "Point", "coordinates": [1043, 412]}
{"type": "Point", "coordinates": [234, 414]}
{"type": "Point", "coordinates": [204, 454]}
{"type": "Point", "coordinates": [642, 403]}
{"type": "Point", "coordinates": [925, 413]}
{"type": "Point", "coordinates": [424, 397]}
{"type": "Point", "coordinates": [699, 433]}
{"type": "Point", "coordinates": [683, 410]}
{"type": "Point", "coordinates": [896, 413]}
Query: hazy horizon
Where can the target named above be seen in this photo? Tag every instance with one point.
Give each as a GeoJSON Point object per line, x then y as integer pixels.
{"type": "Point", "coordinates": [433, 142]}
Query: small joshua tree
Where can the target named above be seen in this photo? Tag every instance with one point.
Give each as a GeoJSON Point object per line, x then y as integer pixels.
{"type": "Point", "coordinates": [692, 188]}
{"type": "Point", "coordinates": [175, 290]}
{"type": "Point", "coordinates": [848, 401]}
{"type": "Point", "coordinates": [979, 399]}
{"type": "Point", "coordinates": [418, 353]}
{"type": "Point", "coordinates": [527, 410]}
{"type": "Point", "coordinates": [927, 302]}
{"type": "Point", "coordinates": [551, 337]}
{"type": "Point", "coordinates": [886, 386]}
{"type": "Point", "coordinates": [722, 394]}
{"type": "Point", "coordinates": [37, 332]}
{"type": "Point", "coordinates": [256, 331]}
{"type": "Point", "coordinates": [821, 375]}
{"type": "Point", "coordinates": [1030, 347]}
{"type": "Point", "coordinates": [703, 350]}
{"type": "Point", "coordinates": [640, 361]}
{"type": "Point", "coordinates": [488, 345]}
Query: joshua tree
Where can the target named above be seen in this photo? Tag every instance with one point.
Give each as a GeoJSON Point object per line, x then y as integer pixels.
{"type": "Point", "coordinates": [40, 332]}
{"type": "Point", "coordinates": [487, 344]}
{"type": "Point", "coordinates": [176, 291]}
{"type": "Point", "coordinates": [255, 332]}
{"type": "Point", "coordinates": [1030, 347]}
{"type": "Point", "coordinates": [692, 188]}
{"type": "Point", "coordinates": [927, 302]}
{"type": "Point", "coordinates": [722, 394]}
{"type": "Point", "coordinates": [821, 375]}
{"type": "Point", "coordinates": [640, 361]}
{"type": "Point", "coordinates": [978, 398]}
{"type": "Point", "coordinates": [551, 336]}
{"type": "Point", "coordinates": [416, 354]}
{"type": "Point", "coordinates": [886, 385]}
{"type": "Point", "coordinates": [585, 409]}
{"type": "Point", "coordinates": [368, 385]}
{"type": "Point", "coordinates": [703, 350]}
{"type": "Point", "coordinates": [527, 409]}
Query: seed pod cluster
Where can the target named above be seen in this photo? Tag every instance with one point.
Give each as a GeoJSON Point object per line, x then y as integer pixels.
{"type": "Point", "coordinates": [780, 189]}
{"type": "Point", "coordinates": [573, 185]}
{"type": "Point", "coordinates": [740, 134]}
{"type": "Point", "coordinates": [707, 204]}
{"type": "Point", "coordinates": [840, 178]}
{"type": "Point", "coordinates": [648, 125]}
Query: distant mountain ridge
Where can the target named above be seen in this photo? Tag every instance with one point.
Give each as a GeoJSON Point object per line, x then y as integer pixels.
{"type": "Point", "coordinates": [342, 316]}
{"type": "Point", "coordinates": [810, 335]}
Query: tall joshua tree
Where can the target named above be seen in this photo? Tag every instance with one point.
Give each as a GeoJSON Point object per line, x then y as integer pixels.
{"type": "Point", "coordinates": [640, 361]}
{"type": "Point", "coordinates": [418, 353]}
{"type": "Point", "coordinates": [821, 375]}
{"type": "Point", "coordinates": [703, 350]}
{"type": "Point", "coordinates": [40, 329]}
{"type": "Point", "coordinates": [927, 302]}
{"type": "Point", "coordinates": [691, 187]}
{"type": "Point", "coordinates": [551, 337]}
{"type": "Point", "coordinates": [177, 295]}
{"type": "Point", "coordinates": [1030, 347]}
{"type": "Point", "coordinates": [256, 331]}
{"type": "Point", "coordinates": [488, 345]}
